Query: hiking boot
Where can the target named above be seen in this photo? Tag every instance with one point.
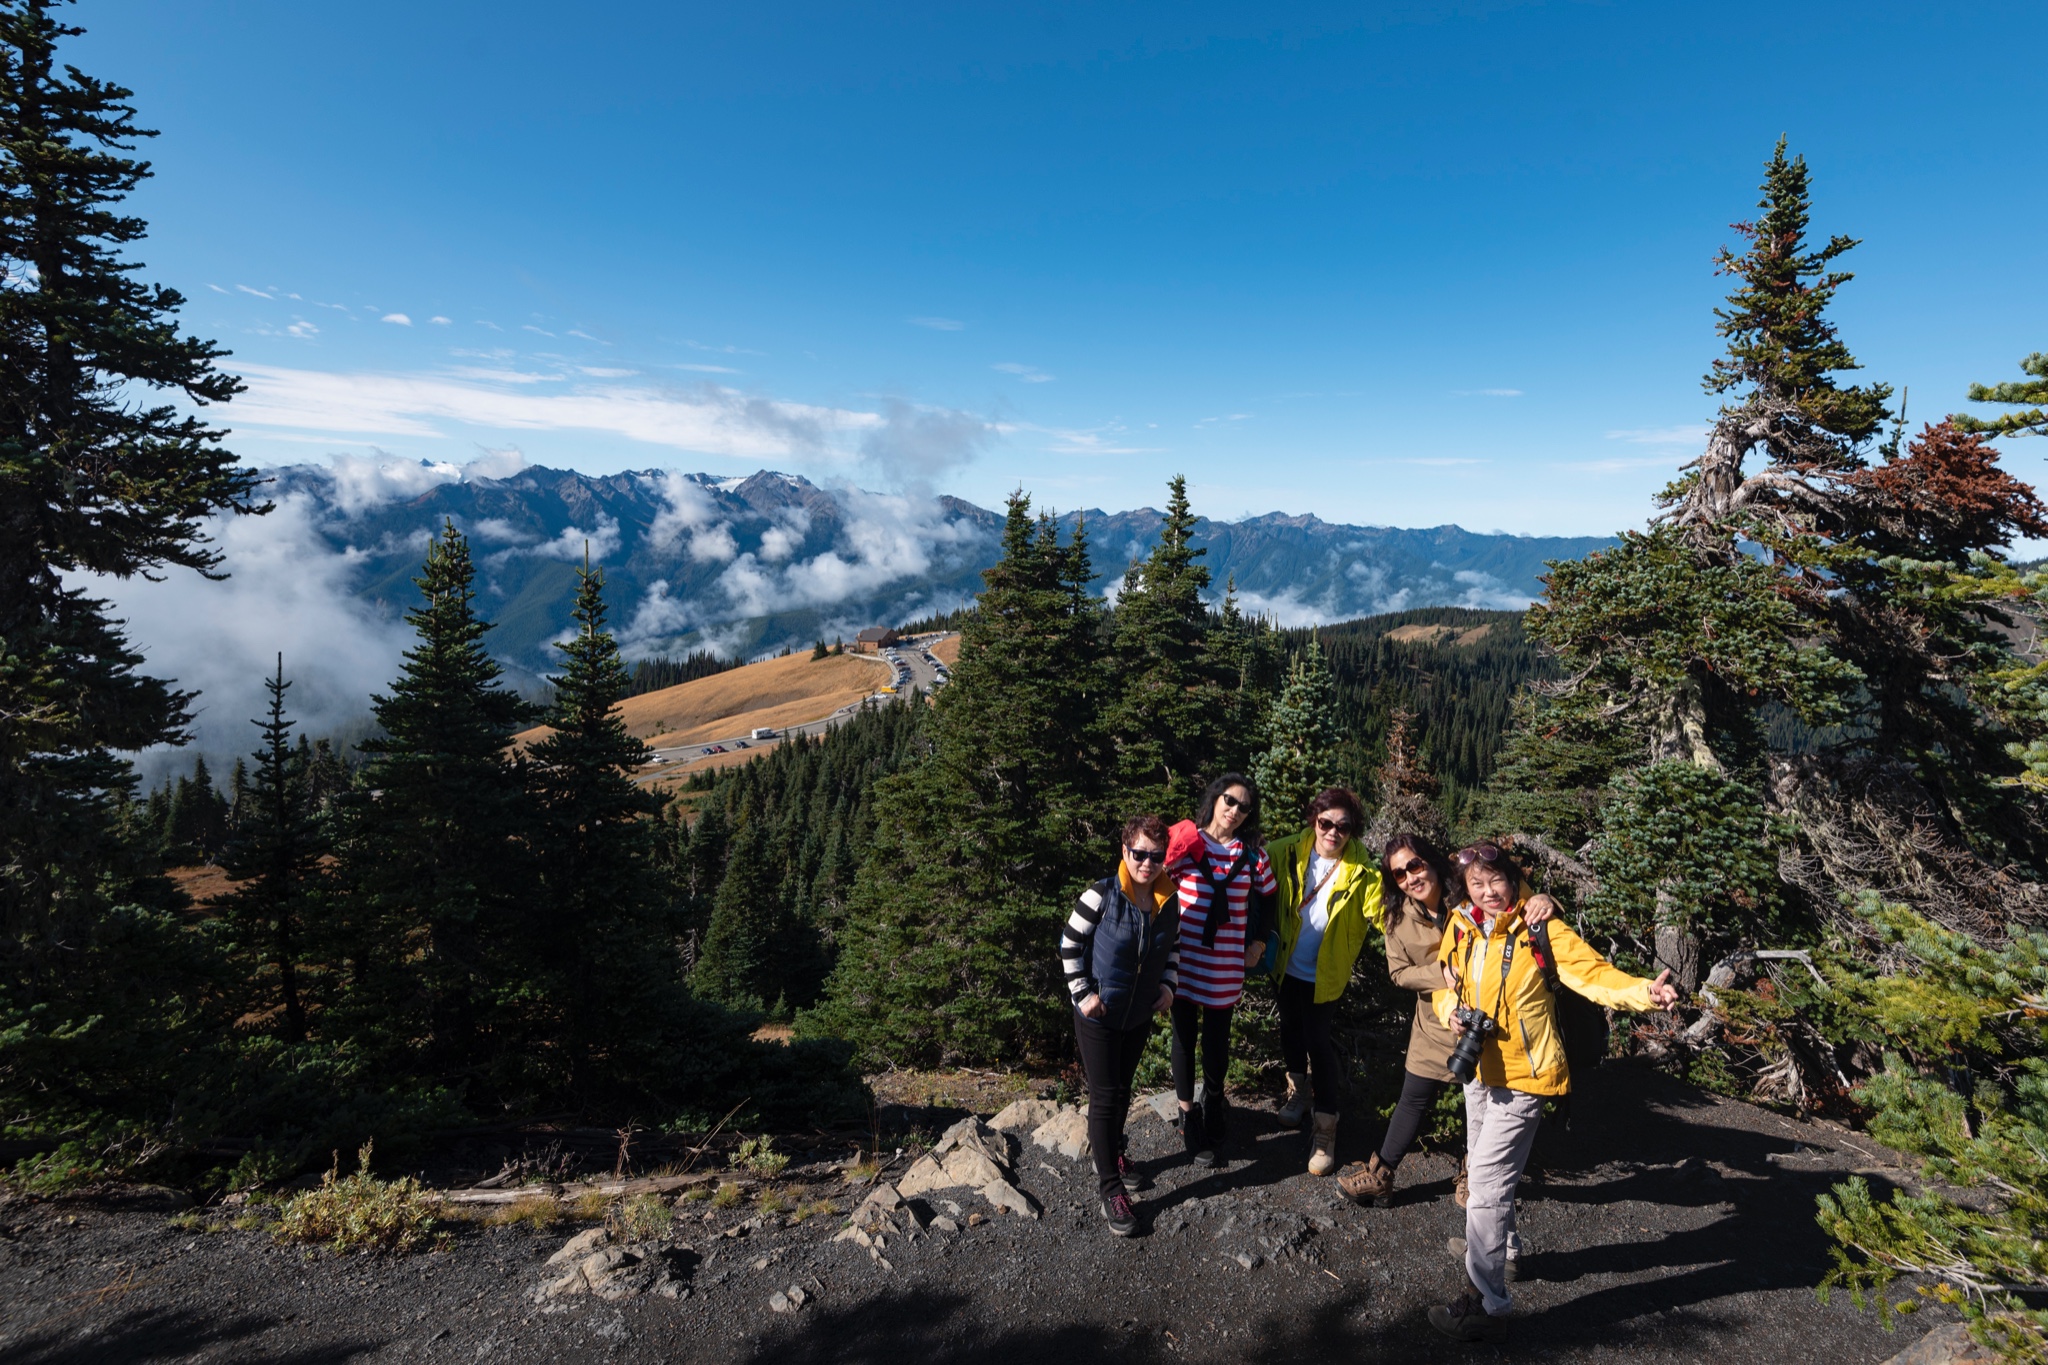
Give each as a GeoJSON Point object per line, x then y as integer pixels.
{"type": "Point", "coordinates": [1461, 1192]}
{"type": "Point", "coordinates": [1322, 1157]}
{"type": "Point", "coordinates": [1118, 1213]}
{"type": "Point", "coordinates": [1295, 1111]}
{"type": "Point", "coordinates": [1511, 1269]}
{"type": "Point", "coordinates": [1128, 1172]}
{"type": "Point", "coordinates": [1216, 1120]}
{"type": "Point", "coordinates": [1370, 1183]}
{"type": "Point", "coordinates": [1194, 1137]}
{"type": "Point", "coordinates": [1465, 1319]}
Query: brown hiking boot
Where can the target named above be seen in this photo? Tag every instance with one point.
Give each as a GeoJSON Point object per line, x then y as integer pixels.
{"type": "Point", "coordinates": [1371, 1183]}
{"type": "Point", "coordinates": [1461, 1192]}
{"type": "Point", "coordinates": [1465, 1319]}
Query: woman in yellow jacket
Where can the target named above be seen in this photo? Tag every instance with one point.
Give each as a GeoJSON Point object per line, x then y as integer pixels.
{"type": "Point", "coordinates": [1496, 984]}
{"type": "Point", "coordinates": [1329, 896]}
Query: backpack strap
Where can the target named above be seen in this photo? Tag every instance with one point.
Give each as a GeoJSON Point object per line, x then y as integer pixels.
{"type": "Point", "coordinates": [1546, 960]}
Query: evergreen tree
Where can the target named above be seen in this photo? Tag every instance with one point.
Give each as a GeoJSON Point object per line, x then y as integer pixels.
{"type": "Point", "coordinates": [977, 850]}
{"type": "Point", "coordinates": [1301, 736]}
{"type": "Point", "coordinates": [2030, 393]}
{"type": "Point", "coordinates": [740, 963]}
{"type": "Point", "coordinates": [436, 860]}
{"type": "Point", "coordinates": [1404, 792]}
{"type": "Point", "coordinates": [607, 933]}
{"type": "Point", "coordinates": [275, 854]}
{"type": "Point", "coordinates": [1170, 712]}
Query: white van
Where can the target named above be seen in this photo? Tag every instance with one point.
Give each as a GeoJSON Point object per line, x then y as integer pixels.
{"type": "Point", "coordinates": [763, 732]}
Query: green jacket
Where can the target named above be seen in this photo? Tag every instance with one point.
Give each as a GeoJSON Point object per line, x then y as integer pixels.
{"type": "Point", "coordinates": [1354, 903]}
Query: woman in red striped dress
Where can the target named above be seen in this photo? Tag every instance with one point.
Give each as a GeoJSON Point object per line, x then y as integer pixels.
{"type": "Point", "coordinates": [1226, 891]}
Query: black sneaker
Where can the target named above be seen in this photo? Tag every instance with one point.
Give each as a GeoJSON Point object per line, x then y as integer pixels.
{"type": "Point", "coordinates": [1216, 1119]}
{"type": "Point", "coordinates": [1118, 1213]}
{"type": "Point", "coordinates": [1128, 1172]}
{"type": "Point", "coordinates": [1465, 1319]}
{"type": "Point", "coordinates": [1195, 1137]}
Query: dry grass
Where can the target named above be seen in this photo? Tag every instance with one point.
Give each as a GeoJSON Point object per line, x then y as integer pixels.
{"type": "Point", "coordinates": [640, 1219]}
{"type": "Point", "coordinates": [772, 1200]}
{"type": "Point", "coordinates": [818, 1208]}
{"type": "Point", "coordinates": [776, 693]}
{"type": "Point", "coordinates": [696, 1194]}
{"type": "Point", "coordinates": [1439, 635]}
{"type": "Point", "coordinates": [591, 1206]}
{"type": "Point", "coordinates": [863, 1171]}
{"type": "Point", "coordinates": [947, 651]}
{"type": "Point", "coordinates": [727, 1196]}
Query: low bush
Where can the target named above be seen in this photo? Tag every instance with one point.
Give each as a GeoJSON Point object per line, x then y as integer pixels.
{"type": "Point", "coordinates": [359, 1212]}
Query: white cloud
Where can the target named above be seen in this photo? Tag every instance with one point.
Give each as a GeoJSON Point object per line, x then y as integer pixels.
{"type": "Point", "coordinates": [360, 482]}
{"type": "Point", "coordinates": [585, 336]}
{"type": "Point", "coordinates": [257, 292]}
{"type": "Point", "coordinates": [1485, 591]}
{"type": "Point", "coordinates": [303, 330]}
{"type": "Point", "coordinates": [440, 321]}
{"type": "Point", "coordinates": [286, 591]}
{"type": "Point", "coordinates": [1028, 373]}
{"type": "Point", "coordinates": [911, 444]}
{"type": "Point", "coordinates": [497, 531]}
{"type": "Point", "coordinates": [529, 327]}
{"type": "Point", "coordinates": [1487, 393]}
{"type": "Point", "coordinates": [1689, 434]}
{"type": "Point", "coordinates": [216, 289]}
{"type": "Point", "coordinates": [692, 520]}
{"type": "Point", "coordinates": [1285, 609]}
{"type": "Point", "coordinates": [574, 542]}
{"type": "Point", "coordinates": [709, 369]}
{"type": "Point", "coordinates": [399, 318]}
{"type": "Point", "coordinates": [708, 419]}
{"type": "Point", "coordinates": [937, 324]}
{"type": "Point", "coordinates": [1102, 441]}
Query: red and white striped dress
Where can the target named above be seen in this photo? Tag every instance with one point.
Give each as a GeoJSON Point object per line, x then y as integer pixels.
{"type": "Point", "coordinates": [1214, 975]}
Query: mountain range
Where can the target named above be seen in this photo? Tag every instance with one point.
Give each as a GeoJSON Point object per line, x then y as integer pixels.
{"type": "Point", "coordinates": [752, 564]}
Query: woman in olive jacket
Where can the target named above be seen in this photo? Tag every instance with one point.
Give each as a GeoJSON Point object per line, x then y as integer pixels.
{"type": "Point", "coordinates": [1416, 913]}
{"type": "Point", "coordinates": [1329, 899]}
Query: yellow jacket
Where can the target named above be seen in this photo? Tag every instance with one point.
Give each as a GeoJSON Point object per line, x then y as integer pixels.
{"type": "Point", "coordinates": [1526, 1051]}
{"type": "Point", "coordinates": [1354, 907]}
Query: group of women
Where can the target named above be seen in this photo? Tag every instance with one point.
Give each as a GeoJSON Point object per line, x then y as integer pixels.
{"type": "Point", "coordinates": [1195, 908]}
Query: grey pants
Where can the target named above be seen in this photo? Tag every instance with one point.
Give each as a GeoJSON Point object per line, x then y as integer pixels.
{"type": "Point", "coordinates": [1500, 1128]}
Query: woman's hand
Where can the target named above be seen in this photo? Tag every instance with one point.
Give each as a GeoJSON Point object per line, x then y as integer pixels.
{"type": "Point", "coordinates": [1663, 994]}
{"type": "Point", "coordinates": [1092, 1006]}
{"type": "Point", "coordinates": [1450, 977]}
{"type": "Point", "coordinates": [1165, 1003]}
{"type": "Point", "coordinates": [1538, 909]}
{"type": "Point", "coordinates": [1252, 953]}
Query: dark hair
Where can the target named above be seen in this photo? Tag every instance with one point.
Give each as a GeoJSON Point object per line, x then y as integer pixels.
{"type": "Point", "coordinates": [1338, 798]}
{"type": "Point", "coordinates": [1392, 897]}
{"type": "Point", "coordinates": [1151, 826]}
{"type": "Point", "coordinates": [1489, 854]}
{"type": "Point", "coordinates": [1206, 807]}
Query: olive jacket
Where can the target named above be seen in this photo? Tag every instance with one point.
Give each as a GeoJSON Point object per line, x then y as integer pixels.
{"type": "Point", "coordinates": [1413, 943]}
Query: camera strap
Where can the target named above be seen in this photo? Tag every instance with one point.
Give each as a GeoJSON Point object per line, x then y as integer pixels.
{"type": "Point", "coordinates": [1507, 962]}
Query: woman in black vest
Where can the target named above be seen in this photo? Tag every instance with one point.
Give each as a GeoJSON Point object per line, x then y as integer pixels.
{"type": "Point", "coordinates": [1121, 953]}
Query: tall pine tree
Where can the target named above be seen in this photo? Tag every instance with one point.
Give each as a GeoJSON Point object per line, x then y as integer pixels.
{"type": "Point", "coordinates": [275, 854]}
{"type": "Point", "coordinates": [1301, 742]}
{"type": "Point", "coordinates": [607, 934]}
{"type": "Point", "coordinates": [437, 854]}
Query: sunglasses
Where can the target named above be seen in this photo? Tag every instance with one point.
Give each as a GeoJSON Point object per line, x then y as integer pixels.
{"type": "Point", "coordinates": [1145, 855]}
{"type": "Point", "coordinates": [1334, 826]}
{"type": "Point", "coordinates": [1489, 854]}
{"type": "Point", "coordinates": [1407, 870]}
{"type": "Point", "coordinates": [1227, 799]}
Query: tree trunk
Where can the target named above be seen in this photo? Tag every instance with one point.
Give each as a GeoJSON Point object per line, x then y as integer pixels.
{"type": "Point", "coordinates": [1678, 948]}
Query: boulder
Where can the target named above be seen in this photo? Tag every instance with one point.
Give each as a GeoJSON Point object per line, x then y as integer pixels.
{"type": "Point", "coordinates": [925, 1175]}
{"type": "Point", "coordinates": [1065, 1132]}
{"type": "Point", "coordinates": [1950, 1345]}
{"type": "Point", "coordinates": [1163, 1106]}
{"type": "Point", "coordinates": [877, 1208]}
{"type": "Point", "coordinates": [579, 1246]}
{"type": "Point", "coordinates": [1021, 1116]}
{"type": "Point", "coordinates": [965, 1166]}
{"type": "Point", "coordinates": [971, 1134]}
{"type": "Point", "coordinates": [1008, 1198]}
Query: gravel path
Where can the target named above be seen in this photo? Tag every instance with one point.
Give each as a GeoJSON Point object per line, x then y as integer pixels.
{"type": "Point", "coordinates": [1671, 1226]}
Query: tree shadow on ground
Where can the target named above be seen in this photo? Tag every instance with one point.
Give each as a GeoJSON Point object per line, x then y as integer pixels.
{"type": "Point", "coordinates": [156, 1334]}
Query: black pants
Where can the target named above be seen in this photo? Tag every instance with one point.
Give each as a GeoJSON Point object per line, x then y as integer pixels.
{"type": "Point", "coordinates": [1214, 1027]}
{"type": "Point", "coordinates": [1418, 1096]}
{"type": "Point", "coordinates": [1109, 1062]}
{"type": "Point", "coordinates": [1306, 1043]}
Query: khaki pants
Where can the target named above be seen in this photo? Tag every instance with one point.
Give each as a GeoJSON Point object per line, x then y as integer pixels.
{"type": "Point", "coordinates": [1500, 1128]}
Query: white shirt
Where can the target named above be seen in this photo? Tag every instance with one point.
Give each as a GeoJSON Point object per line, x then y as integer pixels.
{"type": "Point", "coordinates": [1315, 918]}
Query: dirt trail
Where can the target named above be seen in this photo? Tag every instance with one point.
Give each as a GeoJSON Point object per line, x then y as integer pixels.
{"type": "Point", "coordinates": [1671, 1227]}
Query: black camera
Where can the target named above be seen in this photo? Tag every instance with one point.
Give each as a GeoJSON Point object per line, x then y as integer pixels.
{"type": "Point", "coordinates": [1464, 1063]}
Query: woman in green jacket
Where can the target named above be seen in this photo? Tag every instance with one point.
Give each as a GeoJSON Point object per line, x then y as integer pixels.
{"type": "Point", "coordinates": [1329, 897]}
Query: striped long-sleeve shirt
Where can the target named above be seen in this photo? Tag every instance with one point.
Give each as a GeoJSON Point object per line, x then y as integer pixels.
{"type": "Point", "coordinates": [1140, 945]}
{"type": "Point", "coordinates": [1213, 973]}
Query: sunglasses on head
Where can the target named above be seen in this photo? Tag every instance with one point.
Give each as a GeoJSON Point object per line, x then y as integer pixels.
{"type": "Point", "coordinates": [1329, 826]}
{"type": "Point", "coordinates": [1145, 855]}
{"type": "Point", "coordinates": [1489, 854]}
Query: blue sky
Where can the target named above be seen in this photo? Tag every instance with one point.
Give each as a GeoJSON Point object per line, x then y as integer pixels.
{"type": "Point", "coordinates": [1402, 264]}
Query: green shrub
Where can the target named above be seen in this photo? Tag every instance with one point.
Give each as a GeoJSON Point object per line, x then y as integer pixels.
{"type": "Point", "coordinates": [359, 1212]}
{"type": "Point", "coordinates": [758, 1154]}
